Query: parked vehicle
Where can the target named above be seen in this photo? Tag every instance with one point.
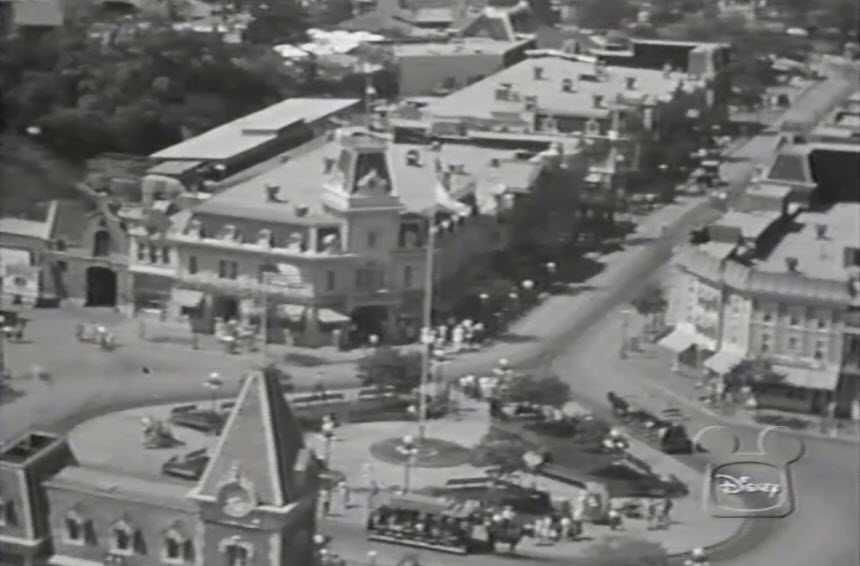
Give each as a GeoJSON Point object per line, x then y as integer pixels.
{"type": "Point", "coordinates": [194, 417]}
{"type": "Point", "coordinates": [188, 467]}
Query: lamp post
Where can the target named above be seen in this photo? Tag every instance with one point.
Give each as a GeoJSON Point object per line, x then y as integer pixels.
{"type": "Point", "coordinates": [528, 286]}
{"type": "Point", "coordinates": [625, 321]}
{"type": "Point", "coordinates": [213, 384]}
{"type": "Point", "coordinates": [550, 272]}
{"type": "Point", "coordinates": [409, 450]}
{"type": "Point", "coordinates": [484, 298]}
{"type": "Point", "coordinates": [327, 429]}
{"type": "Point", "coordinates": [427, 339]}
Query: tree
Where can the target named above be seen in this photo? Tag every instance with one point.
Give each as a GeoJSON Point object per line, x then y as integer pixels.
{"type": "Point", "coordinates": [651, 303]}
{"type": "Point", "coordinates": [388, 366]}
{"type": "Point", "coordinates": [502, 450]}
{"type": "Point", "coordinates": [282, 21]}
{"type": "Point", "coordinates": [545, 390]}
{"type": "Point", "coordinates": [604, 14]}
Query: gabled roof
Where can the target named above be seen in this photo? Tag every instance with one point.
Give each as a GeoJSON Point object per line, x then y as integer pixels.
{"type": "Point", "coordinates": [261, 441]}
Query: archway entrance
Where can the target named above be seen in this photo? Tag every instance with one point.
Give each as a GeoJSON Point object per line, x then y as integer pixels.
{"type": "Point", "coordinates": [369, 320]}
{"type": "Point", "coordinates": [225, 307]}
{"type": "Point", "coordinates": [101, 287]}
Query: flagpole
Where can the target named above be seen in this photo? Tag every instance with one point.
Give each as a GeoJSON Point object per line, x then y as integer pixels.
{"type": "Point", "coordinates": [427, 322]}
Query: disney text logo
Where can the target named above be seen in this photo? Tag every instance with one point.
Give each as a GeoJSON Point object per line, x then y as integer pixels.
{"type": "Point", "coordinates": [731, 485]}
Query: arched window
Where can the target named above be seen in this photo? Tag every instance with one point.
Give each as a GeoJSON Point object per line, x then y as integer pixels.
{"type": "Point", "coordinates": [77, 529]}
{"type": "Point", "coordinates": [237, 551]}
{"type": "Point", "coordinates": [178, 549]}
{"type": "Point", "coordinates": [126, 540]}
{"type": "Point", "coordinates": [101, 243]}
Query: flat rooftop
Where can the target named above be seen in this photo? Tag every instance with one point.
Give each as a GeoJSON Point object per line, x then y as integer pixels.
{"type": "Point", "coordinates": [113, 444]}
{"type": "Point", "coordinates": [469, 46]}
{"type": "Point", "coordinates": [816, 257]}
{"type": "Point", "coordinates": [248, 132]}
{"type": "Point", "coordinates": [751, 224]}
{"type": "Point", "coordinates": [302, 179]}
{"type": "Point", "coordinates": [479, 99]}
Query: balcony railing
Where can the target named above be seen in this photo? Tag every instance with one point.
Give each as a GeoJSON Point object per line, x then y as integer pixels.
{"type": "Point", "coordinates": [247, 286]}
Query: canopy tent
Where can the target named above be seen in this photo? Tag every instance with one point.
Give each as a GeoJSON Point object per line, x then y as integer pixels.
{"type": "Point", "coordinates": [329, 316]}
{"type": "Point", "coordinates": [823, 379]}
{"type": "Point", "coordinates": [187, 298]}
{"type": "Point", "coordinates": [724, 361]}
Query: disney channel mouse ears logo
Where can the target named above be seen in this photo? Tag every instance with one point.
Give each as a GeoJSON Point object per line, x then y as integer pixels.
{"type": "Point", "coordinates": [749, 484]}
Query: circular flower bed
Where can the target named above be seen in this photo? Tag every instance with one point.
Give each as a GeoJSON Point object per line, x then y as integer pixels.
{"type": "Point", "coordinates": [429, 453]}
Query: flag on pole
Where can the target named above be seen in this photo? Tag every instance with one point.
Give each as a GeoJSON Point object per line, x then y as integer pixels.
{"type": "Point", "coordinates": [443, 199]}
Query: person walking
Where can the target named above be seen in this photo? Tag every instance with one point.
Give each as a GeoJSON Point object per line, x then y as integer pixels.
{"type": "Point", "coordinates": [652, 515]}
{"type": "Point", "coordinates": [326, 502]}
{"type": "Point", "coordinates": [565, 530]}
{"type": "Point", "coordinates": [665, 513]}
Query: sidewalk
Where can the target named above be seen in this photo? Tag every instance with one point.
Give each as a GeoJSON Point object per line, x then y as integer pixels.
{"type": "Point", "coordinates": [653, 364]}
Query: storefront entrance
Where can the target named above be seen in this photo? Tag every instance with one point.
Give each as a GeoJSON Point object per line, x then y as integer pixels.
{"type": "Point", "coordinates": [368, 321]}
{"type": "Point", "coordinates": [225, 308]}
{"type": "Point", "coordinates": [101, 287]}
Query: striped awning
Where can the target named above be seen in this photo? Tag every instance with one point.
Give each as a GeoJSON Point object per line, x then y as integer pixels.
{"type": "Point", "coordinates": [186, 297]}
{"type": "Point", "coordinates": [825, 379]}
{"type": "Point", "coordinates": [724, 361]}
{"type": "Point", "coordinates": [291, 312]}
{"type": "Point", "coordinates": [329, 316]}
{"type": "Point", "coordinates": [682, 337]}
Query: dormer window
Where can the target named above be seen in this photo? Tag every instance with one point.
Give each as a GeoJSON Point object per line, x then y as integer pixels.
{"type": "Point", "coordinates": [126, 540]}
{"type": "Point", "coordinates": [237, 551]}
{"type": "Point", "coordinates": [77, 530]}
{"type": "Point", "coordinates": [178, 549]}
{"type": "Point", "coordinates": [7, 513]}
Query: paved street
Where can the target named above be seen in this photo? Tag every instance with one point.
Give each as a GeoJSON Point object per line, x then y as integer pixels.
{"type": "Point", "coordinates": [578, 335]}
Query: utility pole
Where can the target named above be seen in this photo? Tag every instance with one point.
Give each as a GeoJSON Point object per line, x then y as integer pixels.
{"type": "Point", "coordinates": [427, 322]}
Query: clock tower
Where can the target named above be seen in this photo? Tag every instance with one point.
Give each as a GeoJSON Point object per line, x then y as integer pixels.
{"type": "Point", "coordinates": [257, 497]}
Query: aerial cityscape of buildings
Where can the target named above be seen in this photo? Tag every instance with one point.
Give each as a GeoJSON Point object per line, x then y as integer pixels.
{"type": "Point", "coordinates": [451, 255]}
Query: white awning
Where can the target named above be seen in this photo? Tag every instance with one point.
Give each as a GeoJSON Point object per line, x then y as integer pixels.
{"type": "Point", "coordinates": [12, 256]}
{"type": "Point", "coordinates": [328, 316]}
{"type": "Point", "coordinates": [681, 338]}
{"type": "Point", "coordinates": [291, 312]}
{"type": "Point", "coordinates": [724, 361]}
{"type": "Point", "coordinates": [186, 297]}
{"type": "Point", "coordinates": [823, 379]}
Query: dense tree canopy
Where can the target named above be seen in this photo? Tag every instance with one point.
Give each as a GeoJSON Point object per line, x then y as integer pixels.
{"type": "Point", "coordinates": [391, 367]}
{"type": "Point", "coordinates": [604, 14]}
{"type": "Point", "coordinates": [134, 90]}
{"type": "Point", "coordinates": [541, 390]}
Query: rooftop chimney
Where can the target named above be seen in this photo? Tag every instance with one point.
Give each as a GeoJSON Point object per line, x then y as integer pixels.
{"type": "Point", "coordinates": [301, 210]}
{"type": "Point", "coordinates": [272, 193]}
{"type": "Point", "coordinates": [631, 83]}
{"type": "Point", "coordinates": [538, 73]}
{"type": "Point", "coordinates": [328, 163]}
{"type": "Point", "coordinates": [821, 231]}
{"type": "Point", "coordinates": [598, 100]}
{"type": "Point", "coordinates": [495, 162]}
{"type": "Point", "coordinates": [791, 263]}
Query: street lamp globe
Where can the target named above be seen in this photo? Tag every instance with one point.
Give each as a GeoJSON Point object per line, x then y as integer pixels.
{"type": "Point", "coordinates": [483, 296]}
{"type": "Point", "coordinates": [319, 539]}
{"type": "Point", "coordinates": [513, 296]}
{"type": "Point", "coordinates": [551, 266]}
{"type": "Point", "coordinates": [528, 284]}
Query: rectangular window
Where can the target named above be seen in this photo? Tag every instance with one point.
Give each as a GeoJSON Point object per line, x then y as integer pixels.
{"type": "Point", "coordinates": [330, 280]}
{"type": "Point", "coordinates": [192, 264]}
{"type": "Point", "coordinates": [792, 343]}
{"type": "Point", "coordinates": [233, 270]}
{"type": "Point", "coordinates": [372, 238]}
{"type": "Point", "coordinates": [165, 255]}
{"type": "Point", "coordinates": [794, 320]}
{"type": "Point", "coordinates": [819, 350]}
{"type": "Point", "coordinates": [222, 269]}
{"type": "Point", "coordinates": [407, 277]}
{"type": "Point", "coordinates": [153, 254]}
{"type": "Point", "coordinates": [141, 252]}
{"type": "Point", "coordinates": [74, 531]}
